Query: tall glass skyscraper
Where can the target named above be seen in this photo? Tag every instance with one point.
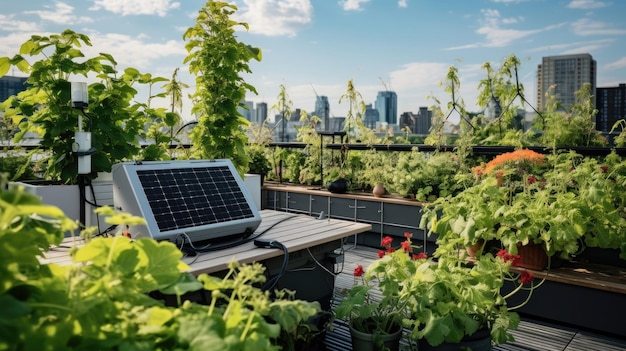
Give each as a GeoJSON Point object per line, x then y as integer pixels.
{"type": "Point", "coordinates": [387, 106]}
{"type": "Point", "coordinates": [261, 112]}
{"type": "Point", "coordinates": [322, 110]}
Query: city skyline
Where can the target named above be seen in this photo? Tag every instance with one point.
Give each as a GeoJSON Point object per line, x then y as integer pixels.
{"type": "Point", "coordinates": [315, 48]}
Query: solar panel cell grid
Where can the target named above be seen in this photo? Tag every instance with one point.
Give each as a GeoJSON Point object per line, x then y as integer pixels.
{"type": "Point", "coordinates": [189, 197]}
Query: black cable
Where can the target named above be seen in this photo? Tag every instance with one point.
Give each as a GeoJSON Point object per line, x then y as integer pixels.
{"type": "Point", "coordinates": [187, 245]}
{"type": "Point", "coordinates": [272, 282]}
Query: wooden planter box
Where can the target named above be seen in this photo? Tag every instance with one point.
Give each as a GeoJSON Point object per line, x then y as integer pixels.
{"type": "Point", "coordinates": [590, 293]}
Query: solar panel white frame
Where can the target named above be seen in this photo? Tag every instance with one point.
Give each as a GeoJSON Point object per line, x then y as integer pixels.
{"type": "Point", "coordinates": [204, 199]}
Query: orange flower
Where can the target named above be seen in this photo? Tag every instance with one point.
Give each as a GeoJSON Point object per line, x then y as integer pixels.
{"type": "Point", "coordinates": [514, 157]}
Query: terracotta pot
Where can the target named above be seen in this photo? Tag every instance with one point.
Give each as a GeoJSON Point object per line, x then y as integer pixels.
{"type": "Point", "coordinates": [472, 250]}
{"type": "Point", "coordinates": [532, 256]}
{"type": "Point", "coordinates": [379, 190]}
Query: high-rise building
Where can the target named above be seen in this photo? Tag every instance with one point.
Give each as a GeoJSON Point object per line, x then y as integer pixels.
{"type": "Point", "coordinates": [10, 86]}
{"type": "Point", "coordinates": [322, 110]}
{"type": "Point", "coordinates": [567, 73]}
{"type": "Point", "coordinates": [249, 112]}
{"type": "Point", "coordinates": [423, 121]}
{"type": "Point", "coordinates": [387, 106]}
{"type": "Point", "coordinates": [371, 117]}
{"type": "Point", "coordinates": [611, 106]}
{"type": "Point", "coordinates": [261, 112]}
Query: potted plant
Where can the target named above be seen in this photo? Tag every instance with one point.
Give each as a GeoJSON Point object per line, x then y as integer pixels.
{"type": "Point", "coordinates": [377, 169]}
{"type": "Point", "coordinates": [439, 301]}
{"type": "Point", "coordinates": [104, 301]}
{"type": "Point", "coordinates": [375, 323]}
{"type": "Point", "coordinates": [560, 202]}
{"type": "Point", "coordinates": [259, 163]}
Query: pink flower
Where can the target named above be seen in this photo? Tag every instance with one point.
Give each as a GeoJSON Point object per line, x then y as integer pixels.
{"type": "Point", "coordinates": [408, 235]}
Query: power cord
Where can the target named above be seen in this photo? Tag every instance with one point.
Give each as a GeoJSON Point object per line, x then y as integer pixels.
{"type": "Point", "coordinates": [186, 245]}
{"type": "Point", "coordinates": [274, 244]}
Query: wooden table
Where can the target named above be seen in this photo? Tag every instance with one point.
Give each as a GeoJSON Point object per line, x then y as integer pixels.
{"type": "Point", "coordinates": [297, 232]}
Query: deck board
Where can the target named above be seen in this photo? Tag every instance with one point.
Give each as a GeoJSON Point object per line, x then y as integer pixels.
{"type": "Point", "coordinates": [531, 335]}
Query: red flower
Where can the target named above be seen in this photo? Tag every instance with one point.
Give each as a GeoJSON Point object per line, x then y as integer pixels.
{"type": "Point", "coordinates": [502, 253]}
{"type": "Point", "coordinates": [408, 235]}
{"type": "Point", "coordinates": [506, 257]}
{"type": "Point", "coordinates": [531, 180]}
{"type": "Point", "coordinates": [358, 271]}
{"type": "Point", "coordinates": [381, 253]}
{"type": "Point", "coordinates": [390, 250]}
{"type": "Point", "coordinates": [420, 256]}
{"type": "Point", "coordinates": [604, 168]}
{"type": "Point", "coordinates": [526, 277]}
{"type": "Point", "coordinates": [406, 245]}
{"type": "Point", "coordinates": [386, 242]}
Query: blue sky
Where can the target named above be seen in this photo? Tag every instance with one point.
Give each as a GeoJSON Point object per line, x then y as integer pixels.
{"type": "Point", "coordinates": [317, 46]}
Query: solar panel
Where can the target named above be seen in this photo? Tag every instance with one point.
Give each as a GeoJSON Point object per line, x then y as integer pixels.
{"type": "Point", "coordinates": [200, 199]}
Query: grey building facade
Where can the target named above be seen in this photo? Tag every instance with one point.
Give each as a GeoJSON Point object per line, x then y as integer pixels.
{"type": "Point", "coordinates": [567, 74]}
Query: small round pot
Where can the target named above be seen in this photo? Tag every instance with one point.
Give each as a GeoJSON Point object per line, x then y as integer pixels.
{"type": "Point", "coordinates": [479, 341]}
{"type": "Point", "coordinates": [379, 190]}
{"type": "Point", "coordinates": [365, 342]}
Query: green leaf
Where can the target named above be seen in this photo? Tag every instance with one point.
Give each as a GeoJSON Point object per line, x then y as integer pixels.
{"type": "Point", "coordinates": [5, 66]}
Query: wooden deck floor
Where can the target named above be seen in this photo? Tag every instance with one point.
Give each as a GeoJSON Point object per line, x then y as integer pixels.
{"type": "Point", "coordinates": [531, 335]}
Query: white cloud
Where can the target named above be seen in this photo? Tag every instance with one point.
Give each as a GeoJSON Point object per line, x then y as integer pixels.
{"type": "Point", "coordinates": [586, 4]}
{"type": "Point", "coordinates": [136, 7]}
{"type": "Point", "coordinates": [512, 20]}
{"type": "Point", "coordinates": [585, 27]}
{"type": "Point", "coordinates": [134, 51]}
{"type": "Point", "coordinates": [584, 48]}
{"type": "Point", "coordinates": [352, 5]}
{"type": "Point", "coordinates": [496, 35]}
{"type": "Point", "coordinates": [276, 17]}
{"type": "Point", "coordinates": [62, 13]}
{"type": "Point", "coordinates": [10, 24]}
{"type": "Point", "coordinates": [621, 63]}
{"type": "Point", "coordinates": [403, 3]}
{"type": "Point", "coordinates": [574, 47]}
{"type": "Point", "coordinates": [10, 45]}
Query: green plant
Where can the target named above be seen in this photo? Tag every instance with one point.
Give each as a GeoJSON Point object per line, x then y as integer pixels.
{"type": "Point", "coordinates": [217, 59]}
{"type": "Point", "coordinates": [17, 167]}
{"type": "Point", "coordinates": [575, 127]}
{"type": "Point", "coordinates": [620, 139]}
{"type": "Point", "coordinates": [259, 163]}
{"type": "Point", "coordinates": [438, 301]}
{"type": "Point", "coordinates": [101, 301]}
{"type": "Point", "coordinates": [564, 202]}
{"type": "Point", "coordinates": [45, 107]}
{"type": "Point", "coordinates": [426, 176]}
{"type": "Point", "coordinates": [378, 167]}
